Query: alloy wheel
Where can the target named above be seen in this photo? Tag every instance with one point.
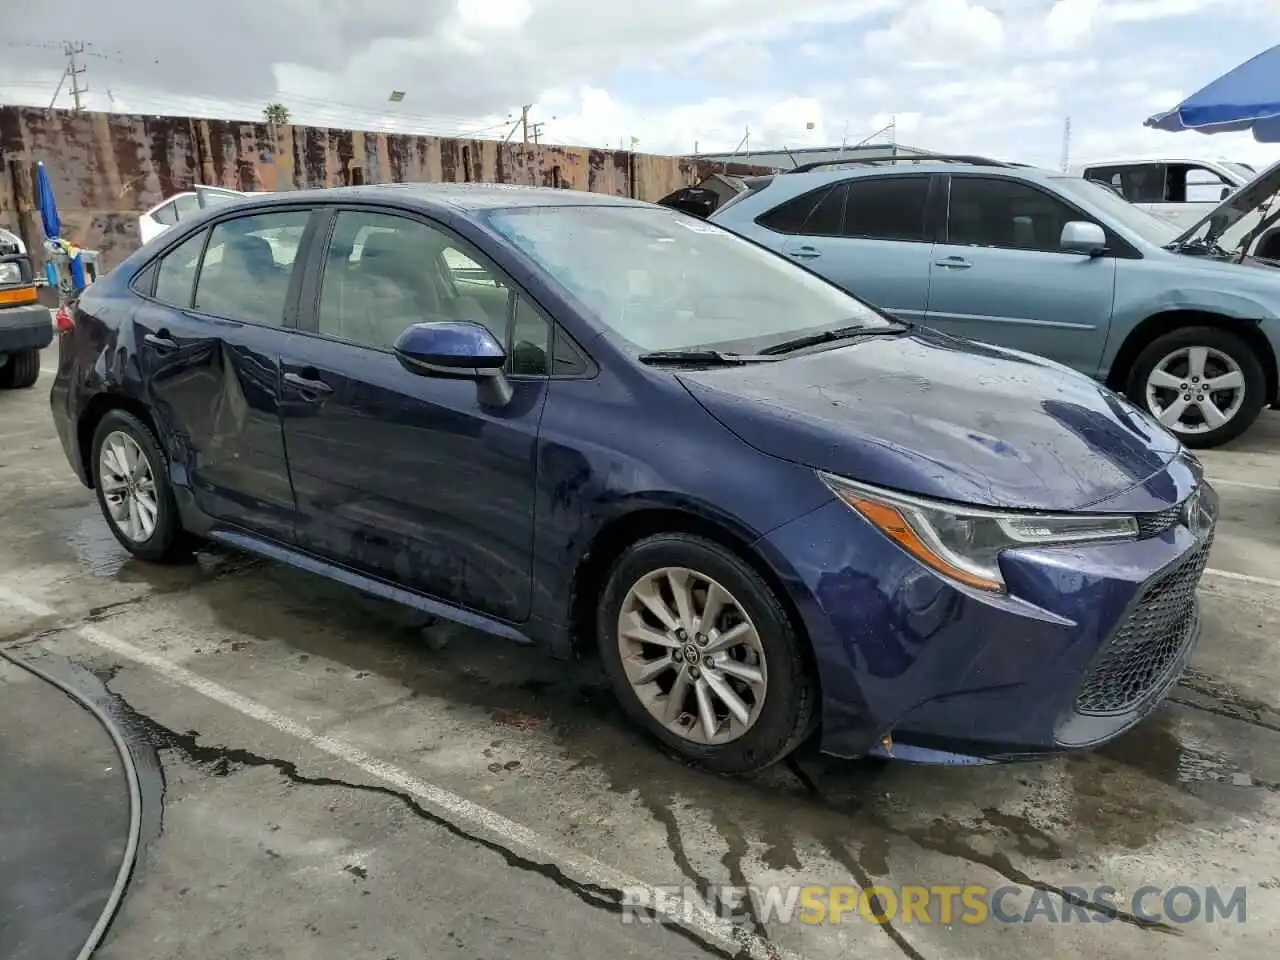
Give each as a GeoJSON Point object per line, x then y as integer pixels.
{"type": "Point", "coordinates": [128, 486]}
{"type": "Point", "coordinates": [692, 655]}
{"type": "Point", "coordinates": [1195, 389]}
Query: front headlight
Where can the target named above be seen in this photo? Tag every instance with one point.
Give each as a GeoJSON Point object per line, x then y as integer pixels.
{"type": "Point", "coordinates": [10, 273]}
{"type": "Point", "coordinates": [965, 543]}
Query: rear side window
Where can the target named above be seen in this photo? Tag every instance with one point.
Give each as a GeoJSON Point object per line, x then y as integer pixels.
{"type": "Point", "coordinates": [246, 269]}
{"type": "Point", "coordinates": [176, 275]}
{"type": "Point", "coordinates": [789, 217]}
{"type": "Point", "coordinates": [886, 208]}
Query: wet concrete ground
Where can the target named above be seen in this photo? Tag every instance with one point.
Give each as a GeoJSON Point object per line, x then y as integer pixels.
{"type": "Point", "coordinates": [340, 782]}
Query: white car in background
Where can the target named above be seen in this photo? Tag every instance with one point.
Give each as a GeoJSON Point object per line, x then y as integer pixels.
{"type": "Point", "coordinates": [1179, 190]}
{"type": "Point", "coordinates": [164, 215]}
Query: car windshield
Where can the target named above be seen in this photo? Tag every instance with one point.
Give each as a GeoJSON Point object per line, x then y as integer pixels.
{"type": "Point", "coordinates": [1149, 227]}
{"type": "Point", "coordinates": [664, 280]}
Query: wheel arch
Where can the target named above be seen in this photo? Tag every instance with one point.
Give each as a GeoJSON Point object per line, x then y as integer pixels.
{"type": "Point", "coordinates": [621, 532]}
{"type": "Point", "coordinates": [1166, 321]}
{"type": "Point", "coordinates": [97, 408]}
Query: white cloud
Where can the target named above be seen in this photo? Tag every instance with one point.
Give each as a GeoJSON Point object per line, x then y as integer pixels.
{"type": "Point", "coordinates": [804, 72]}
{"type": "Point", "coordinates": [938, 32]}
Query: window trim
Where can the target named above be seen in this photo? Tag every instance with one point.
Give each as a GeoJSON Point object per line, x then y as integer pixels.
{"type": "Point", "coordinates": [1117, 246]}
{"type": "Point", "coordinates": [312, 278]}
{"type": "Point", "coordinates": [151, 269]}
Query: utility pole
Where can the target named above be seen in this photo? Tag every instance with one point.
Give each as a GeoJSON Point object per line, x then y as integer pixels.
{"type": "Point", "coordinates": [534, 131]}
{"type": "Point", "coordinates": [74, 72]}
{"type": "Point", "coordinates": [524, 121]}
{"type": "Point", "coordinates": [1066, 144]}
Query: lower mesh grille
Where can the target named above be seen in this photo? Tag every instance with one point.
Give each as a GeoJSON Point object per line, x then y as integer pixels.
{"type": "Point", "coordinates": [1147, 644]}
{"type": "Point", "coordinates": [1154, 524]}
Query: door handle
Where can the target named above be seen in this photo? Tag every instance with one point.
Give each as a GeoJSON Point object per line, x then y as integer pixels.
{"type": "Point", "coordinates": [161, 341]}
{"type": "Point", "coordinates": [953, 263]}
{"type": "Point", "coordinates": [307, 384]}
{"type": "Point", "coordinates": [806, 253]}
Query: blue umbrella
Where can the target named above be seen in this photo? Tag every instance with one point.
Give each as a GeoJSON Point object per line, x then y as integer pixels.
{"type": "Point", "coordinates": [48, 205]}
{"type": "Point", "coordinates": [1246, 98]}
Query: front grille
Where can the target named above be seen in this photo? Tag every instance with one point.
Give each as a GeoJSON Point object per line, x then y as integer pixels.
{"type": "Point", "coordinates": [1154, 524]}
{"type": "Point", "coordinates": [1147, 644]}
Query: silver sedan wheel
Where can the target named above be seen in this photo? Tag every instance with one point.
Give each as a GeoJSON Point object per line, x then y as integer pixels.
{"type": "Point", "coordinates": [128, 486]}
{"type": "Point", "coordinates": [692, 655]}
{"type": "Point", "coordinates": [1195, 390]}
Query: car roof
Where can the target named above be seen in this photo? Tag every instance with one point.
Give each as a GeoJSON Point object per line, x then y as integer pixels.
{"type": "Point", "coordinates": [463, 197]}
{"type": "Point", "coordinates": [816, 177]}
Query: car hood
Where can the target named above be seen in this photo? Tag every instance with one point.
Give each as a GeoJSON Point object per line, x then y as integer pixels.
{"type": "Point", "coordinates": [1240, 204]}
{"type": "Point", "coordinates": [930, 414]}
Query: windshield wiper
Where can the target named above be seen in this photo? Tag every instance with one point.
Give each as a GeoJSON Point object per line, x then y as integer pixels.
{"type": "Point", "coordinates": [1198, 245]}
{"type": "Point", "coordinates": [829, 336]}
{"type": "Point", "coordinates": [707, 358]}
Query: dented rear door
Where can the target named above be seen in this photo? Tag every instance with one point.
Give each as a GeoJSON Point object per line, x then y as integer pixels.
{"type": "Point", "coordinates": [212, 368]}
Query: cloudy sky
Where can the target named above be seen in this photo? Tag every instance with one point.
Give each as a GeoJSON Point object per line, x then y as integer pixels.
{"type": "Point", "coordinates": [980, 76]}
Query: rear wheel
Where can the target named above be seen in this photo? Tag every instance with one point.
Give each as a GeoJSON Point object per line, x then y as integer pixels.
{"type": "Point", "coordinates": [131, 478]}
{"type": "Point", "coordinates": [701, 653]}
{"type": "Point", "coordinates": [22, 371]}
{"type": "Point", "coordinates": [1205, 384]}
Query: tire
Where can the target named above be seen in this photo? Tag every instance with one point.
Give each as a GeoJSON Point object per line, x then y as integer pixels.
{"type": "Point", "coordinates": [1223, 346]}
{"type": "Point", "coordinates": [165, 542]}
{"type": "Point", "coordinates": [781, 718]}
{"type": "Point", "coordinates": [22, 371]}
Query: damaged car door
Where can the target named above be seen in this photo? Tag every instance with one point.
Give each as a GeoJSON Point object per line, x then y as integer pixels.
{"type": "Point", "coordinates": [209, 341]}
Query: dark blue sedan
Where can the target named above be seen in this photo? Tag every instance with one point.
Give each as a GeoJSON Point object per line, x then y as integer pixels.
{"type": "Point", "coordinates": [594, 424]}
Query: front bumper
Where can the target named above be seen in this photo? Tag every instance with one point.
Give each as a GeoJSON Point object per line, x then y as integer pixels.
{"type": "Point", "coordinates": [25, 328]}
{"type": "Point", "coordinates": [1086, 643]}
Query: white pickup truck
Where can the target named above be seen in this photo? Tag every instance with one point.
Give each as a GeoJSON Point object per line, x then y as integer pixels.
{"type": "Point", "coordinates": [1176, 189]}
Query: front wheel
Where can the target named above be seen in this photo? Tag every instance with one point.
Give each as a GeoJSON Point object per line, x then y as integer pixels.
{"type": "Point", "coordinates": [1206, 385]}
{"type": "Point", "coordinates": [700, 652]}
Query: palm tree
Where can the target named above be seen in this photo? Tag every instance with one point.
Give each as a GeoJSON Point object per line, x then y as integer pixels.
{"type": "Point", "coordinates": [276, 114]}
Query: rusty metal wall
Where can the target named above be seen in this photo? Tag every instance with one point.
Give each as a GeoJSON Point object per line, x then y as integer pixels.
{"type": "Point", "coordinates": [107, 168]}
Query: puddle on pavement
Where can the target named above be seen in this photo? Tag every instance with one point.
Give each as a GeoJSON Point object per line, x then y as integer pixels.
{"type": "Point", "coordinates": [81, 534]}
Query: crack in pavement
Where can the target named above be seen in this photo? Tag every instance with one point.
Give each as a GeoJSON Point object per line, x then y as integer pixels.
{"type": "Point", "coordinates": [850, 862]}
{"type": "Point", "coordinates": [223, 760]}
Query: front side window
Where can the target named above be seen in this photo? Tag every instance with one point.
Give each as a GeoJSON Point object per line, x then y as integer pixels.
{"type": "Point", "coordinates": [176, 275]}
{"type": "Point", "coordinates": [247, 267]}
{"type": "Point", "coordinates": [886, 208]}
{"type": "Point", "coordinates": [991, 212]}
{"type": "Point", "coordinates": [1194, 184]}
{"type": "Point", "coordinates": [383, 273]}
{"type": "Point", "coordinates": [666, 281]}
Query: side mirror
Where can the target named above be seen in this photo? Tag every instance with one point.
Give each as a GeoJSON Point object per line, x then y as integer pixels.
{"type": "Point", "coordinates": [1080, 236]}
{"type": "Point", "coordinates": [454, 350]}
{"type": "Point", "coordinates": [1226, 192]}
